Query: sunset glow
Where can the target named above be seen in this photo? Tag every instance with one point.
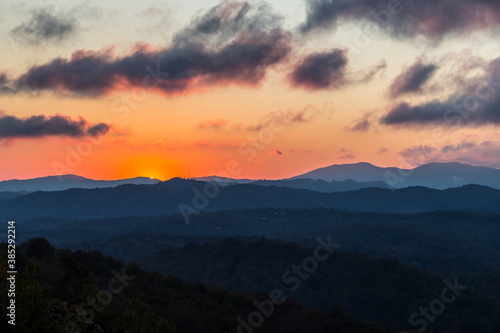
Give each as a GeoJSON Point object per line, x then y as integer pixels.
{"type": "Point", "coordinates": [180, 102]}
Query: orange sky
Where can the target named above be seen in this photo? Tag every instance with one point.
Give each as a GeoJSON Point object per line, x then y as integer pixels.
{"type": "Point", "coordinates": [165, 136]}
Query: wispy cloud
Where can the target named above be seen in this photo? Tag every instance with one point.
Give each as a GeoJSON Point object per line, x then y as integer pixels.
{"type": "Point", "coordinates": [382, 150]}
{"type": "Point", "coordinates": [48, 25]}
{"type": "Point", "coordinates": [288, 117]}
{"type": "Point", "coordinates": [215, 125]}
{"type": "Point", "coordinates": [413, 78]}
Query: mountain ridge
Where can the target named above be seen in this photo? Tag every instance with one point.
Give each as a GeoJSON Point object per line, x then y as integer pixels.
{"type": "Point", "coordinates": [64, 182]}
{"type": "Point", "coordinates": [167, 198]}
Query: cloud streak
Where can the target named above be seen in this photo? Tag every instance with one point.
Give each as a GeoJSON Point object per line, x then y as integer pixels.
{"type": "Point", "coordinates": [477, 105]}
{"type": "Point", "coordinates": [412, 79]}
{"type": "Point", "coordinates": [430, 18]}
{"type": "Point", "coordinates": [302, 116]}
{"type": "Point", "coordinates": [12, 127]}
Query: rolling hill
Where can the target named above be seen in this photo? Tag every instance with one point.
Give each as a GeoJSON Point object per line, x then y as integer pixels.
{"type": "Point", "coordinates": [187, 195]}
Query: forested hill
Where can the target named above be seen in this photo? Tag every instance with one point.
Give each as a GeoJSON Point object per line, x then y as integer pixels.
{"type": "Point", "coordinates": [165, 198]}
{"type": "Point", "coordinates": [52, 284]}
{"type": "Point", "coordinates": [374, 289]}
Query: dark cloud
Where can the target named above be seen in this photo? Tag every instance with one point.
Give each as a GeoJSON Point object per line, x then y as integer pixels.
{"type": "Point", "coordinates": [173, 70]}
{"type": "Point", "coordinates": [188, 64]}
{"type": "Point", "coordinates": [321, 70]}
{"type": "Point", "coordinates": [329, 70]}
{"type": "Point", "coordinates": [347, 157]}
{"type": "Point", "coordinates": [99, 129]}
{"type": "Point", "coordinates": [430, 18]}
{"type": "Point", "coordinates": [412, 79]}
{"type": "Point", "coordinates": [40, 126]}
{"type": "Point", "coordinates": [223, 22]}
{"type": "Point", "coordinates": [46, 26]}
{"type": "Point", "coordinates": [477, 105]}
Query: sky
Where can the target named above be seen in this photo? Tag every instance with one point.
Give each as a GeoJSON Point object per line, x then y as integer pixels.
{"type": "Point", "coordinates": [267, 90]}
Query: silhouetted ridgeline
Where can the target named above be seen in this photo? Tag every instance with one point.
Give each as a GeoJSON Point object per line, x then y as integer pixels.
{"type": "Point", "coordinates": [164, 198]}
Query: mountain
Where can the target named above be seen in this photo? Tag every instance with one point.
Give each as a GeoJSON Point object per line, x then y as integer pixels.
{"type": "Point", "coordinates": [192, 196]}
{"type": "Point", "coordinates": [361, 172]}
{"type": "Point", "coordinates": [321, 185]}
{"type": "Point", "coordinates": [9, 194]}
{"type": "Point", "coordinates": [222, 181]}
{"type": "Point", "coordinates": [301, 183]}
{"type": "Point", "coordinates": [60, 183]}
{"type": "Point", "coordinates": [432, 175]}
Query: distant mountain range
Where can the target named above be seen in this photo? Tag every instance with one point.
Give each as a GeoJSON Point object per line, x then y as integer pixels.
{"type": "Point", "coordinates": [165, 198]}
{"type": "Point", "coordinates": [334, 178]}
{"type": "Point", "coordinates": [432, 175]}
{"type": "Point", "coordinates": [302, 183]}
{"type": "Point", "coordinates": [60, 183]}
{"type": "Point", "coordinates": [349, 177]}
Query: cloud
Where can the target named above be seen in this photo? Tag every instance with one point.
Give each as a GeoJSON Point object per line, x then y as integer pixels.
{"type": "Point", "coordinates": [430, 18]}
{"type": "Point", "coordinates": [347, 157]}
{"type": "Point", "coordinates": [418, 155]}
{"type": "Point", "coordinates": [486, 153]}
{"type": "Point", "coordinates": [45, 26]}
{"type": "Point", "coordinates": [48, 25]}
{"type": "Point", "coordinates": [362, 124]}
{"type": "Point", "coordinates": [329, 70]}
{"type": "Point", "coordinates": [216, 144]}
{"type": "Point", "coordinates": [304, 115]}
{"type": "Point", "coordinates": [215, 125]}
{"type": "Point", "coordinates": [367, 75]}
{"type": "Point", "coordinates": [412, 79]}
{"type": "Point", "coordinates": [461, 146]}
{"type": "Point", "coordinates": [186, 65]}
{"type": "Point", "coordinates": [477, 105]}
{"type": "Point", "coordinates": [40, 126]}
{"type": "Point", "coordinates": [223, 22]}
{"type": "Point", "coordinates": [382, 150]}
{"type": "Point", "coordinates": [275, 152]}
{"type": "Point", "coordinates": [6, 84]}
{"type": "Point", "coordinates": [321, 70]}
